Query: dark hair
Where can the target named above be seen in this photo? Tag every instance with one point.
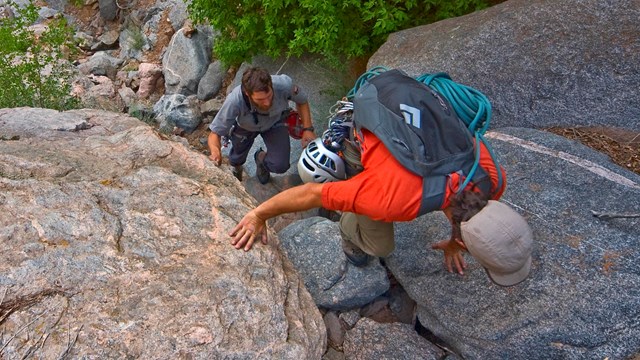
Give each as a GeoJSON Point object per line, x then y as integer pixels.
{"type": "Point", "coordinates": [464, 206]}
{"type": "Point", "coordinates": [256, 79]}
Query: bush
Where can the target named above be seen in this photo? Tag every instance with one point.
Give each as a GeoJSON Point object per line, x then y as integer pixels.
{"type": "Point", "coordinates": [34, 68]}
{"type": "Point", "coordinates": [335, 29]}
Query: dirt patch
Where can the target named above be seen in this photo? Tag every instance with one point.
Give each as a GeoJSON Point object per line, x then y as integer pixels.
{"type": "Point", "coordinates": [622, 146]}
{"type": "Point", "coordinates": [83, 15]}
{"type": "Point", "coordinates": [195, 138]}
{"type": "Point", "coordinates": [165, 32]}
{"type": "Point", "coordinates": [87, 17]}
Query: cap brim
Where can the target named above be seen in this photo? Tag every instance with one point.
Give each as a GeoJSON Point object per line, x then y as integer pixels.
{"type": "Point", "coordinates": [513, 278]}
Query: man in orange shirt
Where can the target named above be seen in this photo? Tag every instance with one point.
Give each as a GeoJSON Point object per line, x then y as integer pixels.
{"type": "Point", "coordinates": [385, 192]}
{"type": "Point", "coordinates": [417, 162]}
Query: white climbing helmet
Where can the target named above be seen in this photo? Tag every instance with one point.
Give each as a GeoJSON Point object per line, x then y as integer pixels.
{"type": "Point", "coordinates": [319, 164]}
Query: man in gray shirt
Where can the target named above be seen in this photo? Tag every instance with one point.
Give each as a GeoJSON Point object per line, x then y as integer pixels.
{"type": "Point", "coordinates": [259, 106]}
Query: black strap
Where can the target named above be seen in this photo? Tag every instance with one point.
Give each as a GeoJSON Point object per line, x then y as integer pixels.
{"type": "Point", "coordinates": [245, 98]}
{"type": "Point", "coordinates": [248, 103]}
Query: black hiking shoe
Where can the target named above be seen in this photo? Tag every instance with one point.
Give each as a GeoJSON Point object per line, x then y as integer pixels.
{"type": "Point", "coordinates": [237, 172]}
{"type": "Point", "coordinates": [355, 255]}
{"type": "Point", "coordinates": [262, 173]}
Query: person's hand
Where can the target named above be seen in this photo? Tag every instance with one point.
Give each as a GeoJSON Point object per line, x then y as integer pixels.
{"type": "Point", "coordinates": [245, 233]}
{"type": "Point", "coordinates": [452, 254]}
{"type": "Point", "coordinates": [216, 156]}
{"type": "Point", "coordinates": [307, 137]}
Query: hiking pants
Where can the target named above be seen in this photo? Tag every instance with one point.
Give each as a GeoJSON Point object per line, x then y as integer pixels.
{"type": "Point", "coordinates": [276, 139]}
{"type": "Point", "coordinates": [371, 236]}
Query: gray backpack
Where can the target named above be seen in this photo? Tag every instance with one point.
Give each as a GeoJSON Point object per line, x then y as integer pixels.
{"type": "Point", "coordinates": [421, 130]}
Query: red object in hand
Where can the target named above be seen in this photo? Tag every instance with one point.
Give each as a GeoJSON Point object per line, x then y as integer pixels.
{"type": "Point", "coordinates": [294, 124]}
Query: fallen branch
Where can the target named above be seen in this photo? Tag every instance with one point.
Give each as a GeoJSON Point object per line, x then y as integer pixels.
{"type": "Point", "coordinates": [22, 328]}
{"type": "Point", "coordinates": [9, 307]}
{"type": "Point", "coordinates": [31, 350]}
{"type": "Point", "coordinates": [70, 344]}
{"type": "Point", "coordinates": [607, 216]}
{"type": "Point", "coordinates": [3, 295]}
{"type": "Point", "coordinates": [26, 301]}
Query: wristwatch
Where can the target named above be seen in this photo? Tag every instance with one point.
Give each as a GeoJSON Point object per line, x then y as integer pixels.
{"type": "Point", "coordinates": [310, 128]}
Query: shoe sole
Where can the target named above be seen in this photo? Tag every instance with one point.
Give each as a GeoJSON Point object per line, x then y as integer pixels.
{"type": "Point", "coordinates": [358, 261]}
{"type": "Point", "coordinates": [237, 173]}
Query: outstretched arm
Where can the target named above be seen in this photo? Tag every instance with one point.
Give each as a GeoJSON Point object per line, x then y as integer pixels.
{"type": "Point", "coordinates": [253, 224]}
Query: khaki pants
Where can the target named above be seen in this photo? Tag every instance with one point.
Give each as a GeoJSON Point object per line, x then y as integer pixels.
{"type": "Point", "coordinates": [373, 237]}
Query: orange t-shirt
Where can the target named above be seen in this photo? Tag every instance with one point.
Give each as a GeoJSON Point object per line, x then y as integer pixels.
{"type": "Point", "coordinates": [386, 190]}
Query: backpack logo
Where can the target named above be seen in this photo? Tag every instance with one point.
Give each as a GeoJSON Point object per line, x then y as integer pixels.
{"type": "Point", "coordinates": [411, 115]}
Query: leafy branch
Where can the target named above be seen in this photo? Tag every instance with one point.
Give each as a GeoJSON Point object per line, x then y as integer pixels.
{"type": "Point", "coordinates": [34, 67]}
{"type": "Point", "coordinates": [334, 29]}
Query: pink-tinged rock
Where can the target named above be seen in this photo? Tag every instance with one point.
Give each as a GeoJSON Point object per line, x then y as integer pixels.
{"type": "Point", "coordinates": [149, 75]}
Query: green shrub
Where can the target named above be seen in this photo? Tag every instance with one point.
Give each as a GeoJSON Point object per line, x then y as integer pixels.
{"type": "Point", "coordinates": [34, 68]}
{"type": "Point", "coordinates": [335, 29]}
{"type": "Point", "coordinates": [137, 38]}
{"type": "Point", "coordinates": [142, 113]}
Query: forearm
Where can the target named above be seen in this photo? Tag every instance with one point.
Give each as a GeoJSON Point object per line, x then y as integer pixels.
{"type": "Point", "coordinates": [305, 114]}
{"type": "Point", "coordinates": [299, 198]}
{"type": "Point", "coordinates": [213, 142]}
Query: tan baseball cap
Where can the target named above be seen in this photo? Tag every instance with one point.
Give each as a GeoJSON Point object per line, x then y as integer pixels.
{"type": "Point", "coordinates": [501, 240]}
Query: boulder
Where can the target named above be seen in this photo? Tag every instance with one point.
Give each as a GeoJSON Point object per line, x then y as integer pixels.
{"type": "Point", "coordinates": [541, 62]}
{"type": "Point", "coordinates": [108, 9]}
{"type": "Point", "coordinates": [101, 64]}
{"type": "Point", "coordinates": [211, 81]}
{"type": "Point", "coordinates": [373, 340]}
{"type": "Point", "coordinates": [314, 247]}
{"type": "Point", "coordinates": [178, 110]}
{"type": "Point", "coordinates": [114, 245]}
{"type": "Point", "coordinates": [185, 60]}
{"type": "Point", "coordinates": [149, 75]}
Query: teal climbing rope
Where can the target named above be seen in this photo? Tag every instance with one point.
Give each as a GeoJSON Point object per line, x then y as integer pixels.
{"type": "Point", "coordinates": [472, 107]}
{"type": "Point", "coordinates": [377, 70]}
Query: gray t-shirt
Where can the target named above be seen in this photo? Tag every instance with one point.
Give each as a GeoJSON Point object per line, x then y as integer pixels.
{"type": "Point", "coordinates": [235, 108]}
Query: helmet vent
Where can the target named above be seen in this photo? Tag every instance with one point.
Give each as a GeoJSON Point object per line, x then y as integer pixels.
{"type": "Point", "coordinates": [323, 160]}
{"type": "Point", "coordinates": [307, 165]}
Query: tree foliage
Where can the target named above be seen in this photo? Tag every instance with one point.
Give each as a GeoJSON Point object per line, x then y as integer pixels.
{"type": "Point", "coordinates": [33, 67]}
{"type": "Point", "coordinates": [335, 29]}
